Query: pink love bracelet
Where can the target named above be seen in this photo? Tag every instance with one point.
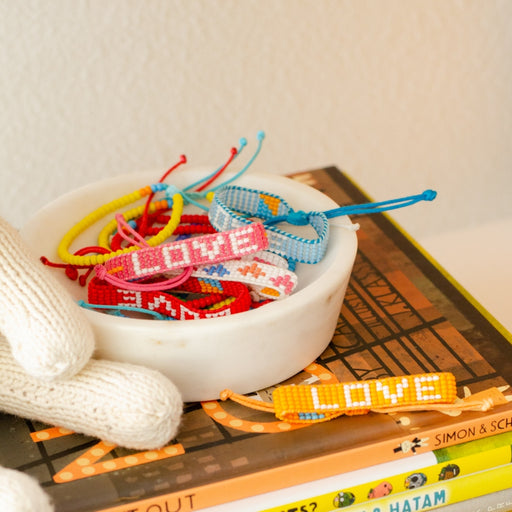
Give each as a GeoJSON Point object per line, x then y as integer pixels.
{"type": "Point", "coordinates": [207, 249]}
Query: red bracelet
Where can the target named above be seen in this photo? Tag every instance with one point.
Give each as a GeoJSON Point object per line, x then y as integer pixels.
{"type": "Point", "coordinates": [223, 297]}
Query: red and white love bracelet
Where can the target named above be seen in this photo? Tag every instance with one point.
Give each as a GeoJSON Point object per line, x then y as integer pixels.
{"type": "Point", "coordinates": [222, 298]}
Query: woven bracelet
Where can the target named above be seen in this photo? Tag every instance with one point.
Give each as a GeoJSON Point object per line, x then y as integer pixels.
{"type": "Point", "coordinates": [323, 402]}
{"type": "Point", "coordinates": [232, 207]}
{"type": "Point", "coordinates": [265, 280]}
{"type": "Point", "coordinates": [310, 403]}
{"type": "Point", "coordinates": [206, 249]}
{"type": "Point", "coordinates": [222, 298]}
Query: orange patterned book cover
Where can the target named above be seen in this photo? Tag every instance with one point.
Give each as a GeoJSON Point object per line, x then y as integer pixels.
{"type": "Point", "coordinates": [401, 315]}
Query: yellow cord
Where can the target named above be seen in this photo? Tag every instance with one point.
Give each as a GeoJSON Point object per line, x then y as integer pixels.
{"type": "Point", "coordinates": [102, 211]}
{"type": "Point", "coordinates": [252, 403]}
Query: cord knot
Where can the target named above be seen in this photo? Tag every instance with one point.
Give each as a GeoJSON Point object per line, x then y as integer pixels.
{"type": "Point", "coordinates": [226, 394]}
{"type": "Point", "coordinates": [297, 218]}
{"type": "Point", "coordinates": [100, 271]}
{"type": "Point", "coordinates": [429, 195]}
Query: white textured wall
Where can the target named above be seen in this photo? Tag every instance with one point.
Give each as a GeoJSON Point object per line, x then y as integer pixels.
{"type": "Point", "coordinates": [403, 94]}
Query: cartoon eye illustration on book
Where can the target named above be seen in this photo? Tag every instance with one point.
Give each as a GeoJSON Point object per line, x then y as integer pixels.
{"type": "Point", "coordinates": [383, 489]}
{"type": "Point", "coordinates": [415, 480]}
{"type": "Point", "coordinates": [449, 471]}
{"type": "Point", "coordinates": [343, 499]}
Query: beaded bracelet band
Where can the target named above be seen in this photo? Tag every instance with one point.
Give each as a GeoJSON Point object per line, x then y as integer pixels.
{"type": "Point", "coordinates": [307, 403]}
{"type": "Point", "coordinates": [102, 211]}
{"type": "Point", "coordinates": [265, 279]}
{"type": "Point", "coordinates": [231, 204]}
{"type": "Point", "coordinates": [315, 403]}
{"type": "Point", "coordinates": [422, 392]}
{"type": "Point", "coordinates": [206, 249]}
{"type": "Point", "coordinates": [268, 281]}
{"type": "Point", "coordinates": [219, 297]}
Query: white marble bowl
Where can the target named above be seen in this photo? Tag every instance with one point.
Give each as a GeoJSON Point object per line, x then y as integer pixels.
{"type": "Point", "coordinates": [244, 352]}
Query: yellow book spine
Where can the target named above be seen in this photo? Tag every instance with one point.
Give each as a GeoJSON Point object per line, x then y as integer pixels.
{"type": "Point", "coordinates": [433, 483]}
{"type": "Point", "coordinates": [442, 493]}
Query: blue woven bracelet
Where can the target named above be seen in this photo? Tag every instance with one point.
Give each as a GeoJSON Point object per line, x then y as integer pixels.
{"type": "Point", "coordinates": [234, 206]}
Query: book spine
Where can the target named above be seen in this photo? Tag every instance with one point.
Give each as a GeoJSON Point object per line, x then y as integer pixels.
{"type": "Point", "coordinates": [429, 497]}
{"type": "Point", "coordinates": [279, 477]}
{"type": "Point", "coordinates": [350, 496]}
{"type": "Point", "coordinates": [399, 476]}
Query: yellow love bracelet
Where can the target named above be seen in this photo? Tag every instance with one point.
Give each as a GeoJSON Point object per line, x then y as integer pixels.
{"type": "Point", "coordinates": [323, 402]}
{"type": "Point", "coordinates": [317, 403]}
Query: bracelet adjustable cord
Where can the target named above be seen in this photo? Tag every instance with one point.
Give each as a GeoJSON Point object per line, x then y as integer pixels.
{"type": "Point", "coordinates": [189, 225]}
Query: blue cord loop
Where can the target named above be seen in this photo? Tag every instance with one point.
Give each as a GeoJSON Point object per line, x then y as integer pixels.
{"type": "Point", "coordinates": [243, 142]}
{"type": "Point", "coordinates": [260, 136]}
{"type": "Point", "coordinates": [382, 206]}
{"type": "Point", "coordinates": [301, 218]}
{"type": "Point", "coordinates": [118, 310]}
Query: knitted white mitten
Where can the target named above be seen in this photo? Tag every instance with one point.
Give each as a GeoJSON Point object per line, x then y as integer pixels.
{"type": "Point", "coordinates": [46, 373]}
{"type": "Point", "coordinates": [125, 404]}
{"type": "Point", "coordinates": [21, 493]}
{"type": "Point", "coordinates": [48, 334]}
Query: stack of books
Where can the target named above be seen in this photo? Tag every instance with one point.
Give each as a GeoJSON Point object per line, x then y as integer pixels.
{"type": "Point", "coordinates": [402, 315]}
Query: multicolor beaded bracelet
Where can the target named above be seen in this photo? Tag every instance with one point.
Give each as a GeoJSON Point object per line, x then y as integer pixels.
{"type": "Point", "coordinates": [265, 280]}
{"type": "Point", "coordinates": [266, 273]}
{"type": "Point", "coordinates": [223, 298]}
{"type": "Point", "coordinates": [206, 249]}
